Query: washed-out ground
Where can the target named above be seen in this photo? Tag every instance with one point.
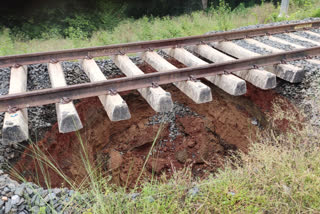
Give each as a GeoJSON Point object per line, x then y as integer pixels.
{"type": "Point", "coordinates": [201, 136]}
{"type": "Point", "coordinates": [198, 135]}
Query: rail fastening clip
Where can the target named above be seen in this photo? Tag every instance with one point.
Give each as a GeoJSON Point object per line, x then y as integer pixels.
{"type": "Point", "coordinates": [112, 92]}
{"type": "Point", "coordinates": [65, 100]}
{"type": "Point", "coordinates": [154, 85]}
{"type": "Point", "coordinates": [12, 109]}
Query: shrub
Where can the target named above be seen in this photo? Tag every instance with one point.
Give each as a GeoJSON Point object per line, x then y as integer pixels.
{"type": "Point", "coordinates": [6, 43]}
{"type": "Point", "coordinates": [316, 13]}
{"type": "Point", "coordinates": [78, 27]}
{"type": "Point", "coordinates": [222, 13]}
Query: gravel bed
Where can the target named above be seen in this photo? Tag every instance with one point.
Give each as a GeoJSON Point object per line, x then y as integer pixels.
{"type": "Point", "coordinates": [29, 198]}
{"type": "Point", "coordinates": [39, 118]}
{"type": "Point", "coordinates": [265, 40]}
{"type": "Point", "coordinates": [251, 47]}
{"type": "Point", "coordinates": [260, 50]}
{"type": "Point", "coordinates": [307, 36]}
{"type": "Point", "coordinates": [4, 87]}
{"type": "Point", "coordinates": [316, 30]}
{"type": "Point", "coordinates": [38, 77]}
{"type": "Point", "coordinates": [306, 94]}
{"type": "Point", "coordinates": [179, 110]}
{"type": "Point", "coordinates": [4, 80]}
{"type": "Point", "coordinates": [273, 24]}
{"type": "Point", "coordinates": [292, 40]}
{"type": "Point", "coordinates": [276, 24]}
{"type": "Point", "coordinates": [74, 73]}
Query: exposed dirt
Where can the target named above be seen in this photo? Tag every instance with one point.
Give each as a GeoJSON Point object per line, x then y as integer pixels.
{"type": "Point", "coordinates": [120, 148]}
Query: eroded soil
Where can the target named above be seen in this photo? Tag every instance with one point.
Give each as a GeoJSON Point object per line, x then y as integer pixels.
{"type": "Point", "coordinates": [120, 148]}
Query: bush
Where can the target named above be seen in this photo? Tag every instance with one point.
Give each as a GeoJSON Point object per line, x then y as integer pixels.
{"type": "Point", "coordinates": [301, 3]}
{"type": "Point", "coordinates": [76, 30]}
{"type": "Point", "coordinates": [316, 13]}
{"type": "Point", "coordinates": [6, 43]}
{"type": "Point", "coordinates": [222, 13]}
{"type": "Point", "coordinates": [78, 27]}
{"type": "Point", "coordinates": [70, 19]}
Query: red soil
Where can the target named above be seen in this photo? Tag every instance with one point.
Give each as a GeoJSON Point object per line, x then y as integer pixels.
{"type": "Point", "coordinates": [121, 148]}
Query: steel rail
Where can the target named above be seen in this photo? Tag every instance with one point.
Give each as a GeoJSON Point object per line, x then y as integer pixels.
{"type": "Point", "coordinates": [54, 95]}
{"type": "Point", "coordinates": [72, 54]}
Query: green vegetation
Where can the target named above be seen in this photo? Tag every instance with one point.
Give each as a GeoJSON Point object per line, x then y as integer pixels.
{"type": "Point", "coordinates": [66, 19]}
{"type": "Point", "coordinates": [80, 18]}
{"type": "Point", "coordinates": [80, 33]}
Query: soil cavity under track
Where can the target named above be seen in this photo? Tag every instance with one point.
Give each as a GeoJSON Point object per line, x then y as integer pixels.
{"type": "Point", "coordinates": [203, 137]}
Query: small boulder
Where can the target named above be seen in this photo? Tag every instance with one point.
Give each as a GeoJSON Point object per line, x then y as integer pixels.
{"type": "Point", "coordinates": [15, 199]}
{"type": "Point", "coordinates": [181, 155]}
{"type": "Point", "coordinates": [156, 165]}
{"type": "Point", "coordinates": [115, 160]}
{"type": "Point", "coordinates": [191, 143]}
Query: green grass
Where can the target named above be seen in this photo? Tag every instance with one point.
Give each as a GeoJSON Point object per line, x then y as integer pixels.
{"type": "Point", "coordinates": [153, 28]}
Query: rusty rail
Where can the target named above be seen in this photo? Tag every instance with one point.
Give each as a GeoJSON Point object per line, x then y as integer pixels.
{"type": "Point", "coordinates": [72, 54]}
{"type": "Point", "coordinates": [54, 95]}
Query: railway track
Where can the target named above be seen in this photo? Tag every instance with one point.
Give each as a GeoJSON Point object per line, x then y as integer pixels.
{"type": "Point", "coordinates": [227, 65]}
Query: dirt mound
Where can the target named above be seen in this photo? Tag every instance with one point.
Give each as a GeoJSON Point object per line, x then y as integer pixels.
{"type": "Point", "coordinates": [120, 148]}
